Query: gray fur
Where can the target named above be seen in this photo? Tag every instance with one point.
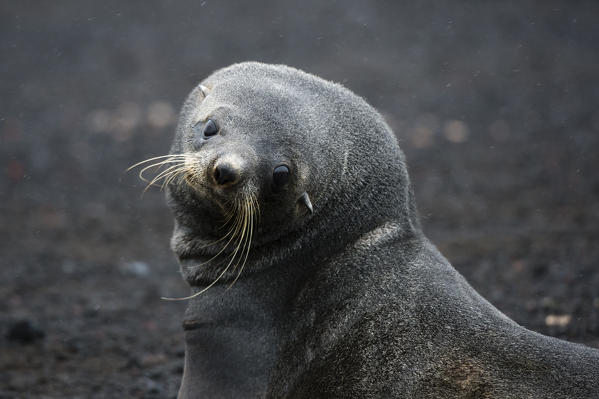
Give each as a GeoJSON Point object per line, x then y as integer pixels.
{"type": "Point", "coordinates": [350, 300]}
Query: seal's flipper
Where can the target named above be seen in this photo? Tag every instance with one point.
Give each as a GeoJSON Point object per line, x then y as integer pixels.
{"type": "Point", "coordinates": [305, 199]}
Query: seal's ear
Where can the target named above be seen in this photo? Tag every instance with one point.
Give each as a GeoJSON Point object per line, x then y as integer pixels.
{"type": "Point", "coordinates": [305, 200]}
{"type": "Point", "coordinates": [205, 91]}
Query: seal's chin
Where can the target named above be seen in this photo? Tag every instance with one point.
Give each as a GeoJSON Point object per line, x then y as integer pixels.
{"type": "Point", "coordinates": [228, 253]}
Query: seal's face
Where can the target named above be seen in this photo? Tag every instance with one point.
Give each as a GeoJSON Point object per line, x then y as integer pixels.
{"type": "Point", "coordinates": [256, 145]}
{"type": "Point", "coordinates": [236, 176]}
{"type": "Point", "coordinates": [235, 159]}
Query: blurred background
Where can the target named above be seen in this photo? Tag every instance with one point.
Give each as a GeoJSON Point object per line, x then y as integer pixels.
{"type": "Point", "coordinates": [496, 105]}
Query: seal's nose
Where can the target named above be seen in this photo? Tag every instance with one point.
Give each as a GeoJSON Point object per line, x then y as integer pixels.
{"type": "Point", "coordinates": [225, 173]}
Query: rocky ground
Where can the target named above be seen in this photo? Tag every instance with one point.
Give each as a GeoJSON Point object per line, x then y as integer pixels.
{"type": "Point", "coordinates": [496, 105]}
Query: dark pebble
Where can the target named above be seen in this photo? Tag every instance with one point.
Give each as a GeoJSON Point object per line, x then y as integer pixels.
{"type": "Point", "coordinates": [24, 332]}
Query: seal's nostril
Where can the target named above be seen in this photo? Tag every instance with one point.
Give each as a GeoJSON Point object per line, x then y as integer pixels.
{"type": "Point", "coordinates": [225, 174]}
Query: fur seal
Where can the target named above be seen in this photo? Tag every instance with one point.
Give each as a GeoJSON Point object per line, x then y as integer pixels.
{"type": "Point", "coordinates": [294, 191]}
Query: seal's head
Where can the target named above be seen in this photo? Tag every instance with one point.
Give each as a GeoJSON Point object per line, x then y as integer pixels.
{"type": "Point", "coordinates": [275, 160]}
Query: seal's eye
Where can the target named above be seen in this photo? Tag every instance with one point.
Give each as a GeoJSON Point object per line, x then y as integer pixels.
{"type": "Point", "coordinates": [280, 176]}
{"type": "Point", "coordinates": [210, 128]}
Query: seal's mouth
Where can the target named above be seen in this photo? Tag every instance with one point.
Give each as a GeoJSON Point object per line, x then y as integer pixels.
{"type": "Point", "coordinates": [241, 211]}
{"type": "Point", "coordinates": [240, 220]}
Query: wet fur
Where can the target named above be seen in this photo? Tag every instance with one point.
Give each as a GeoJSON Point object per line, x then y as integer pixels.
{"type": "Point", "coordinates": [352, 300]}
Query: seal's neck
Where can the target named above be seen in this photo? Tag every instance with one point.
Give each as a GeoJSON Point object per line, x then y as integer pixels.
{"type": "Point", "coordinates": [251, 319]}
{"type": "Point", "coordinates": [257, 317]}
